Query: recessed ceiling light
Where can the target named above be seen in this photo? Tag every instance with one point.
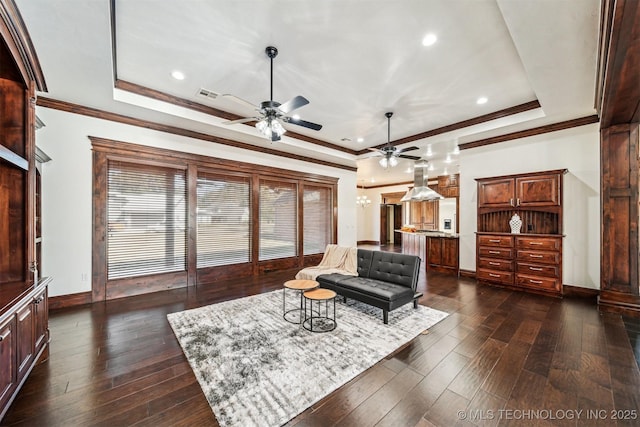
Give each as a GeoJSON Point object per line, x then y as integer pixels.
{"type": "Point", "coordinates": [178, 75]}
{"type": "Point", "coordinates": [373, 179]}
{"type": "Point", "coordinates": [409, 170]}
{"type": "Point", "coordinates": [429, 39]}
{"type": "Point", "coordinates": [360, 140]}
{"type": "Point", "coordinates": [482, 100]}
{"type": "Point", "coordinates": [429, 153]}
{"type": "Point", "coordinates": [448, 159]}
{"type": "Point", "coordinates": [456, 150]}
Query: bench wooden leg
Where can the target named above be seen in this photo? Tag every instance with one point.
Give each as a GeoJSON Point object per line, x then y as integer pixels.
{"type": "Point", "coordinates": [385, 316]}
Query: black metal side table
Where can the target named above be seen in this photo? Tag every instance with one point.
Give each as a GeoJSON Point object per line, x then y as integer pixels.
{"type": "Point", "coordinates": [296, 285]}
{"type": "Point", "coordinates": [319, 323]}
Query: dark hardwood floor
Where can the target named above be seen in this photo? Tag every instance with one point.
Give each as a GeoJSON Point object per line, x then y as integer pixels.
{"type": "Point", "coordinates": [500, 358]}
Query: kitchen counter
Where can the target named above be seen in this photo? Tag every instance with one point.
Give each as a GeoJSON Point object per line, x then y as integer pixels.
{"type": "Point", "coordinates": [430, 233]}
{"type": "Point", "coordinates": [438, 250]}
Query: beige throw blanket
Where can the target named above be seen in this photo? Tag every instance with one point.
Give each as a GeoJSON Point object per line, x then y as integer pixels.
{"type": "Point", "coordinates": [336, 259]}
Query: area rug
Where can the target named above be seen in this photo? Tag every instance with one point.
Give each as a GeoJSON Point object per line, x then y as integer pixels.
{"type": "Point", "coordinates": [255, 368]}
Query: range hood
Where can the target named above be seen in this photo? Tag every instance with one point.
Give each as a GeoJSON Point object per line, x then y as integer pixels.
{"type": "Point", "coordinates": [421, 190]}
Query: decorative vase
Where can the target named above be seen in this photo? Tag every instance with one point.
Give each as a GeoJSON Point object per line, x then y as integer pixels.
{"type": "Point", "coordinates": [516, 224]}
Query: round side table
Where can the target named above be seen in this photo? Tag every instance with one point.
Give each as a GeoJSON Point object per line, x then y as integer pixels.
{"type": "Point", "coordinates": [300, 286]}
{"type": "Point", "coordinates": [319, 323]}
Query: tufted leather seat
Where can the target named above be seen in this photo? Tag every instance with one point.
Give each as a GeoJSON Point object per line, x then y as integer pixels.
{"type": "Point", "coordinates": [386, 280]}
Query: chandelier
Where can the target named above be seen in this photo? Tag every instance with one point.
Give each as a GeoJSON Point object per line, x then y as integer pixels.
{"type": "Point", "coordinates": [363, 201]}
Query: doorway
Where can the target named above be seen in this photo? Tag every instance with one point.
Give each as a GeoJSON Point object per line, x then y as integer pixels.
{"type": "Point", "coordinates": [391, 219]}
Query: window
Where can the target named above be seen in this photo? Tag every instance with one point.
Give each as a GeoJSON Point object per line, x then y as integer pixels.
{"type": "Point", "coordinates": [224, 220]}
{"type": "Point", "coordinates": [278, 220]}
{"type": "Point", "coordinates": [318, 227]}
{"type": "Point", "coordinates": [146, 216]}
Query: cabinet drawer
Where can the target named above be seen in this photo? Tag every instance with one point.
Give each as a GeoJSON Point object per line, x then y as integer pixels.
{"type": "Point", "coordinates": [537, 282]}
{"type": "Point", "coordinates": [495, 264]}
{"type": "Point", "coordinates": [493, 252]}
{"type": "Point", "coordinates": [495, 276]}
{"type": "Point", "coordinates": [497, 241]}
{"type": "Point", "coordinates": [539, 269]}
{"type": "Point", "coordinates": [539, 256]}
{"type": "Point", "coordinates": [538, 243]}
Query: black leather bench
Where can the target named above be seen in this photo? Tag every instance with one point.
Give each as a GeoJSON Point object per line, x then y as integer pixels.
{"type": "Point", "coordinates": [386, 280]}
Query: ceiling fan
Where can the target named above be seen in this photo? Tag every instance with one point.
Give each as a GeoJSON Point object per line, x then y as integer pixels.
{"type": "Point", "coordinates": [272, 113]}
{"type": "Point", "coordinates": [390, 153]}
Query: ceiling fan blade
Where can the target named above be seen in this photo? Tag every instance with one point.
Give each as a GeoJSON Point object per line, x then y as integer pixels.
{"type": "Point", "coordinates": [304, 123]}
{"type": "Point", "coordinates": [243, 120]}
{"type": "Point", "coordinates": [241, 101]}
{"type": "Point", "coordinates": [293, 104]}
{"type": "Point", "coordinates": [374, 149]}
{"type": "Point", "coordinates": [404, 156]}
{"type": "Point", "coordinates": [404, 150]}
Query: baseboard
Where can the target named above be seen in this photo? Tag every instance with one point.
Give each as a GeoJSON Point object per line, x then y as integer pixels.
{"type": "Point", "coordinates": [467, 273]}
{"type": "Point", "coordinates": [578, 292]}
{"type": "Point", "coordinates": [71, 300]}
{"type": "Point", "coordinates": [368, 242]}
{"type": "Point", "coordinates": [617, 302]}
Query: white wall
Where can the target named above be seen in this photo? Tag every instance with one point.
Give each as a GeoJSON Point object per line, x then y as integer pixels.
{"type": "Point", "coordinates": [67, 188]}
{"type": "Point", "coordinates": [369, 218]}
{"type": "Point", "coordinates": [574, 149]}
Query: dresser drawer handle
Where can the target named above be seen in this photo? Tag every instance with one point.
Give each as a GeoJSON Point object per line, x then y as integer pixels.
{"type": "Point", "coordinates": [494, 263]}
{"type": "Point", "coordinates": [535, 269]}
{"type": "Point", "coordinates": [535, 243]}
{"type": "Point", "coordinates": [537, 282]}
{"type": "Point", "coordinates": [495, 252]}
{"type": "Point", "coordinates": [5, 335]}
{"type": "Point", "coordinates": [535, 256]}
{"type": "Point", "coordinates": [494, 275]}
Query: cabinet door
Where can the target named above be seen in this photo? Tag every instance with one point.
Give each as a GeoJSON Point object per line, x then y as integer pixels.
{"type": "Point", "coordinates": [416, 212]}
{"type": "Point", "coordinates": [430, 215]}
{"type": "Point", "coordinates": [496, 193]}
{"type": "Point", "coordinates": [450, 252]}
{"type": "Point", "coordinates": [540, 190]}
{"type": "Point", "coordinates": [41, 320]}
{"type": "Point", "coordinates": [435, 251]}
{"type": "Point", "coordinates": [7, 360]}
{"type": "Point", "coordinates": [24, 328]}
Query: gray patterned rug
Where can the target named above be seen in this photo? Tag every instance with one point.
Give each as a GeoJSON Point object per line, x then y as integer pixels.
{"type": "Point", "coordinates": [255, 368]}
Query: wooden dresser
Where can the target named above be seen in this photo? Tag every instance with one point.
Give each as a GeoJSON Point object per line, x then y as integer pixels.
{"type": "Point", "coordinates": [532, 259]}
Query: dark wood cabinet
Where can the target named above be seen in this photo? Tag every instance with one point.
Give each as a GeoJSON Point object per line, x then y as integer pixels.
{"type": "Point", "coordinates": [532, 259]}
{"type": "Point", "coordinates": [448, 185]}
{"type": "Point", "coordinates": [443, 254]}
{"type": "Point", "coordinates": [535, 190]}
{"type": "Point", "coordinates": [23, 307]}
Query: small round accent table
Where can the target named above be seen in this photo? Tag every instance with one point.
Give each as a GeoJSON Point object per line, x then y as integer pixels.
{"type": "Point", "coordinates": [319, 323]}
{"type": "Point", "coordinates": [300, 286]}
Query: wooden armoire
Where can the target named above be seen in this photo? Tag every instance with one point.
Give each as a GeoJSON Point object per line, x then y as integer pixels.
{"type": "Point", "coordinates": [531, 259]}
{"type": "Point", "coordinates": [24, 333]}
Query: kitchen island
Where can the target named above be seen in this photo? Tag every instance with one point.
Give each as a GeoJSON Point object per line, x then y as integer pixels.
{"type": "Point", "coordinates": [438, 250]}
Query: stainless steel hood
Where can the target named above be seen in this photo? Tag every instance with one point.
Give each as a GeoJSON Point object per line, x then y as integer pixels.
{"type": "Point", "coordinates": [421, 190]}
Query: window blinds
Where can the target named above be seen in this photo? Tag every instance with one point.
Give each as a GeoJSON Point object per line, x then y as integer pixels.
{"type": "Point", "coordinates": [224, 220]}
{"type": "Point", "coordinates": [278, 220]}
{"type": "Point", "coordinates": [146, 220]}
{"type": "Point", "coordinates": [317, 208]}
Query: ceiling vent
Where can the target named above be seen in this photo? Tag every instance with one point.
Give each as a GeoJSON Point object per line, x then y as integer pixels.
{"type": "Point", "coordinates": [205, 93]}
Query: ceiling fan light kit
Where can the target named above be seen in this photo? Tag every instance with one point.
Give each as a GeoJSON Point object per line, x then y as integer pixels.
{"type": "Point", "coordinates": [390, 153]}
{"type": "Point", "coordinates": [272, 113]}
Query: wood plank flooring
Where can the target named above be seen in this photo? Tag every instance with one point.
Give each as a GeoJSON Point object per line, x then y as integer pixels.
{"type": "Point", "coordinates": [500, 358]}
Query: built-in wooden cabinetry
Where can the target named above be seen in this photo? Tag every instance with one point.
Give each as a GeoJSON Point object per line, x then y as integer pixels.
{"type": "Point", "coordinates": [532, 259]}
{"type": "Point", "coordinates": [23, 297]}
{"type": "Point", "coordinates": [448, 185]}
{"type": "Point", "coordinates": [424, 215]}
{"type": "Point", "coordinates": [442, 254]}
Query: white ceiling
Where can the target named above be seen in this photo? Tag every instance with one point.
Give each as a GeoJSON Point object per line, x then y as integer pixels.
{"type": "Point", "coordinates": [353, 60]}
